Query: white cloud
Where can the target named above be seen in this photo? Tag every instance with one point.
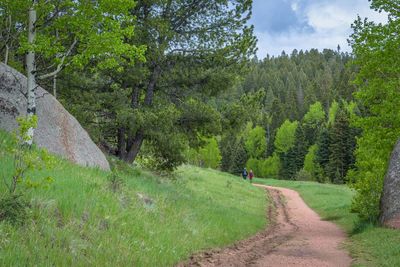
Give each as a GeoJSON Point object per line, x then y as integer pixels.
{"type": "Point", "coordinates": [330, 22]}
{"type": "Point", "coordinates": [294, 6]}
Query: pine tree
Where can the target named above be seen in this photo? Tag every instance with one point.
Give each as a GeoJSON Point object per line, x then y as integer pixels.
{"type": "Point", "coordinates": [288, 164]}
{"type": "Point", "coordinates": [322, 153]}
{"type": "Point", "coordinates": [226, 147]}
{"type": "Point", "coordinates": [239, 157]}
{"type": "Point", "coordinates": [340, 153]}
{"type": "Point", "coordinates": [300, 148]}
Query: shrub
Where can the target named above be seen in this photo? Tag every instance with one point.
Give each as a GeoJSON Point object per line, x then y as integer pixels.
{"type": "Point", "coordinates": [270, 167]}
{"type": "Point", "coordinates": [13, 208]}
{"type": "Point", "coordinates": [255, 164]}
{"type": "Point", "coordinates": [303, 175]}
{"type": "Point", "coordinates": [310, 164]}
{"type": "Point", "coordinates": [209, 154]}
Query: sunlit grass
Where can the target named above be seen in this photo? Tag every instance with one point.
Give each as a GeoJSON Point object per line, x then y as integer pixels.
{"type": "Point", "coordinates": [147, 221]}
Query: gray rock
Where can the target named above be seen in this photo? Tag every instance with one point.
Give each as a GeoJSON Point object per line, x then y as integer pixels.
{"type": "Point", "coordinates": [58, 131]}
{"type": "Point", "coordinates": [390, 200]}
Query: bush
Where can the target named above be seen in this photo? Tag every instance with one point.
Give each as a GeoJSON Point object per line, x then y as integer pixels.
{"type": "Point", "coordinates": [310, 164]}
{"type": "Point", "coordinates": [366, 201]}
{"type": "Point", "coordinates": [270, 167]}
{"type": "Point", "coordinates": [13, 208]}
{"type": "Point", "coordinates": [303, 175]}
{"type": "Point", "coordinates": [255, 164]}
{"type": "Point", "coordinates": [256, 143]}
{"type": "Point", "coordinates": [210, 156]}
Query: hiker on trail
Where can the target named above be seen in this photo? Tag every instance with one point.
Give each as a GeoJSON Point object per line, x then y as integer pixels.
{"type": "Point", "coordinates": [244, 173]}
{"type": "Point", "coordinates": [251, 175]}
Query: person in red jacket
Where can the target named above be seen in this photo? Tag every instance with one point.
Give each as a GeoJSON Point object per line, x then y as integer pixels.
{"type": "Point", "coordinates": [251, 175]}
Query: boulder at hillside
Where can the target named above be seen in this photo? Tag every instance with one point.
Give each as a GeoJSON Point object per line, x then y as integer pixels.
{"type": "Point", "coordinates": [390, 200]}
{"type": "Point", "coordinates": [58, 131]}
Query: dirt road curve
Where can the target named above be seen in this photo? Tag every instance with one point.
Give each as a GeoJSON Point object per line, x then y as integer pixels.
{"type": "Point", "coordinates": [296, 237]}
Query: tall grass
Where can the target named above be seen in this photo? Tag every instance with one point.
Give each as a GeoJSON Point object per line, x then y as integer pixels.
{"type": "Point", "coordinates": [134, 219]}
{"type": "Point", "coordinates": [369, 245]}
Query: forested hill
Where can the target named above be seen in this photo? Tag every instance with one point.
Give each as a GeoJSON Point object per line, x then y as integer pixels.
{"type": "Point", "coordinates": [283, 108]}
{"type": "Point", "coordinates": [295, 82]}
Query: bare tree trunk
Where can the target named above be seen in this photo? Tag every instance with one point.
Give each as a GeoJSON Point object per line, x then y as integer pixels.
{"type": "Point", "coordinates": [31, 70]}
{"type": "Point", "coordinates": [135, 147]}
{"type": "Point", "coordinates": [137, 141]}
{"type": "Point", "coordinates": [55, 86]}
{"type": "Point", "coordinates": [7, 40]}
{"type": "Point", "coordinates": [6, 55]}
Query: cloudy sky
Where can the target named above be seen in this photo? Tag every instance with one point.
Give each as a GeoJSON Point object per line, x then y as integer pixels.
{"type": "Point", "coordinates": [305, 24]}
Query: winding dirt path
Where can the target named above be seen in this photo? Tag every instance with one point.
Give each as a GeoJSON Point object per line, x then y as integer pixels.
{"type": "Point", "coordinates": [296, 237]}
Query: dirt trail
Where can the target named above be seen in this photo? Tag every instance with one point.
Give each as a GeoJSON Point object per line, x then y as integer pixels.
{"type": "Point", "coordinates": [296, 237]}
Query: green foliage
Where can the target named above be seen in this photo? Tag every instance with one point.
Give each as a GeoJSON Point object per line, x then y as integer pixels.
{"type": "Point", "coordinates": [341, 148]}
{"type": "Point", "coordinates": [83, 32]}
{"type": "Point", "coordinates": [310, 160]}
{"type": "Point", "coordinates": [14, 209]}
{"type": "Point", "coordinates": [226, 147]}
{"type": "Point", "coordinates": [332, 112]}
{"type": "Point", "coordinates": [256, 166]}
{"type": "Point", "coordinates": [369, 190]}
{"type": "Point", "coordinates": [210, 155]}
{"type": "Point", "coordinates": [376, 49]}
{"type": "Point", "coordinates": [303, 175]}
{"type": "Point", "coordinates": [285, 142]}
{"type": "Point", "coordinates": [239, 157]}
{"type": "Point", "coordinates": [315, 115]}
{"type": "Point", "coordinates": [13, 204]}
{"type": "Point", "coordinates": [285, 136]}
{"type": "Point", "coordinates": [270, 167]}
{"type": "Point", "coordinates": [312, 122]}
{"type": "Point", "coordinates": [300, 148]}
{"type": "Point", "coordinates": [288, 164]}
{"type": "Point", "coordinates": [27, 159]}
{"type": "Point", "coordinates": [255, 142]}
{"type": "Point", "coordinates": [323, 153]}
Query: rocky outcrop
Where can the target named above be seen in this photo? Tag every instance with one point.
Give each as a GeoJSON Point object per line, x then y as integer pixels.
{"type": "Point", "coordinates": [390, 200]}
{"type": "Point", "coordinates": [58, 131]}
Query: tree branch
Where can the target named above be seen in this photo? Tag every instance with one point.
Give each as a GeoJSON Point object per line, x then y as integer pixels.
{"type": "Point", "coordinates": [61, 65]}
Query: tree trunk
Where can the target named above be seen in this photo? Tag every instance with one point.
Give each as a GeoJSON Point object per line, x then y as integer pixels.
{"type": "Point", "coordinates": [31, 70]}
{"type": "Point", "coordinates": [6, 55]}
{"type": "Point", "coordinates": [7, 40]}
{"type": "Point", "coordinates": [121, 143]}
{"type": "Point", "coordinates": [55, 86]}
{"type": "Point", "coordinates": [137, 141]}
{"type": "Point", "coordinates": [135, 147]}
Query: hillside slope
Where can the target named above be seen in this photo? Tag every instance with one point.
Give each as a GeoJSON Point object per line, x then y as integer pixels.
{"type": "Point", "coordinates": [87, 217]}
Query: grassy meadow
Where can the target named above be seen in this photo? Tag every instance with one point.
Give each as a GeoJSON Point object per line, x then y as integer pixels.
{"type": "Point", "coordinates": [86, 217]}
{"type": "Point", "coordinates": [368, 245]}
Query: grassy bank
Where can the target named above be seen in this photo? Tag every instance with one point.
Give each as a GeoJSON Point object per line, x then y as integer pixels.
{"type": "Point", "coordinates": [369, 245]}
{"type": "Point", "coordinates": [137, 220]}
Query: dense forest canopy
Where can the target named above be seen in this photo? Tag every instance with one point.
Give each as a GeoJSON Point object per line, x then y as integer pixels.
{"type": "Point", "coordinates": [163, 82]}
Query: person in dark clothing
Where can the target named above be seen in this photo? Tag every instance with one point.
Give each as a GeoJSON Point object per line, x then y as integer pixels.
{"type": "Point", "coordinates": [244, 173]}
{"type": "Point", "coordinates": [251, 175]}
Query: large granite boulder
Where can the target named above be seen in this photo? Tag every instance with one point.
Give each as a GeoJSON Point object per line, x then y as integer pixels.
{"type": "Point", "coordinates": [58, 131]}
{"type": "Point", "coordinates": [390, 200]}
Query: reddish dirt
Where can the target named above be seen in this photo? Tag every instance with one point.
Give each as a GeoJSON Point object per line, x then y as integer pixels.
{"type": "Point", "coordinates": [296, 236]}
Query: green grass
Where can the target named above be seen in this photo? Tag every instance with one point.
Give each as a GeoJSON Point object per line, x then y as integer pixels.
{"type": "Point", "coordinates": [80, 221]}
{"type": "Point", "coordinates": [369, 245]}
